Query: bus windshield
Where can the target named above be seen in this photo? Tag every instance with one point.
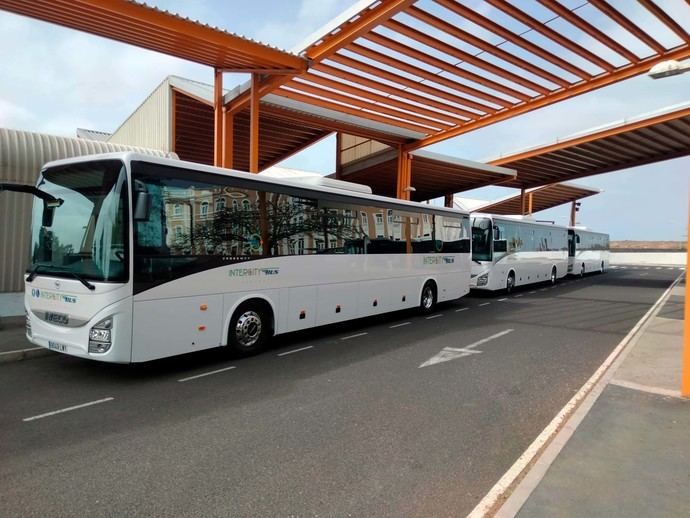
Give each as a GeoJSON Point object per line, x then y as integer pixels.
{"type": "Point", "coordinates": [85, 235]}
{"type": "Point", "coordinates": [481, 239]}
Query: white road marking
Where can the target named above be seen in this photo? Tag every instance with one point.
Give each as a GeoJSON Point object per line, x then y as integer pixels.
{"type": "Point", "coordinates": [451, 353]}
{"type": "Point", "coordinates": [400, 325]}
{"type": "Point", "coordinates": [296, 350]}
{"type": "Point", "coordinates": [207, 374]}
{"type": "Point", "coordinates": [484, 304]}
{"type": "Point", "coordinates": [353, 336]}
{"type": "Point", "coordinates": [461, 309]}
{"type": "Point", "coordinates": [517, 296]}
{"type": "Point", "coordinates": [532, 292]}
{"type": "Point", "coordinates": [68, 409]}
{"type": "Point", "coordinates": [659, 268]}
{"type": "Point", "coordinates": [670, 268]}
{"type": "Point", "coordinates": [645, 388]}
{"type": "Point", "coordinates": [542, 289]}
{"type": "Point", "coordinates": [503, 299]}
{"type": "Point", "coordinates": [434, 316]}
{"type": "Point", "coordinates": [643, 274]}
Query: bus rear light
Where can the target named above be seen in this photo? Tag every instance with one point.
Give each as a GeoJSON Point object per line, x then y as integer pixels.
{"type": "Point", "coordinates": [100, 337]}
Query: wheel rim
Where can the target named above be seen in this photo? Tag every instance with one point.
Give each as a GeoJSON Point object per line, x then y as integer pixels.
{"type": "Point", "coordinates": [248, 328]}
{"type": "Point", "coordinates": [511, 283]}
{"type": "Point", "coordinates": [428, 297]}
{"type": "Point", "coordinates": [553, 276]}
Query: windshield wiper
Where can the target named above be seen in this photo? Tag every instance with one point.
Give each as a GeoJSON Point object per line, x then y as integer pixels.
{"type": "Point", "coordinates": [32, 275]}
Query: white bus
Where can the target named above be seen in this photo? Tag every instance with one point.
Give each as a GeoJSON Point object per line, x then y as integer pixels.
{"type": "Point", "coordinates": [587, 251]}
{"type": "Point", "coordinates": [510, 251]}
{"type": "Point", "coordinates": [135, 258]}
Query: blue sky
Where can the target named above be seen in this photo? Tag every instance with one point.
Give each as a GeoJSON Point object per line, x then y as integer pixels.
{"type": "Point", "coordinates": [55, 80]}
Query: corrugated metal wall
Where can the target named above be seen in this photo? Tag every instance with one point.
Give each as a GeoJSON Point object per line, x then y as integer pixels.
{"type": "Point", "coordinates": [22, 154]}
{"type": "Point", "coordinates": [149, 125]}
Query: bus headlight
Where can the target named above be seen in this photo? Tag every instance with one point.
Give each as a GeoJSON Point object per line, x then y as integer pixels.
{"type": "Point", "coordinates": [100, 336]}
{"type": "Point", "coordinates": [483, 279]}
{"type": "Point", "coordinates": [28, 323]}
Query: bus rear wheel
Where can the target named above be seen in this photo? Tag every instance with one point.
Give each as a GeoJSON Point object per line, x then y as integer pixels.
{"type": "Point", "coordinates": [554, 275]}
{"type": "Point", "coordinates": [250, 329]}
{"type": "Point", "coordinates": [428, 300]}
{"type": "Point", "coordinates": [510, 282]}
{"type": "Point", "coordinates": [582, 270]}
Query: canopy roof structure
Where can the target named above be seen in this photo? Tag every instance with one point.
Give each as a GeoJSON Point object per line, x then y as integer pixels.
{"type": "Point", "coordinates": [433, 174]}
{"type": "Point", "coordinates": [441, 68]}
{"type": "Point", "coordinates": [654, 137]}
{"type": "Point", "coordinates": [154, 29]}
{"type": "Point", "coordinates": [538, 199]}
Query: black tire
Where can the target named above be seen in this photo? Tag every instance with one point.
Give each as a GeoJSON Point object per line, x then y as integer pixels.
{"type": "Point", "coordinates": [554, 275]}
{"type": "Point", "coordinates": [582, 270]}
{"type": "Point", "coordinates": [602, 267]}
{"type": "Point", "coordinates": [429, 298]}
{"type": "Point", "coordinates": [251, 328]}
{"type": "Point", "coordinates": [510, 282]}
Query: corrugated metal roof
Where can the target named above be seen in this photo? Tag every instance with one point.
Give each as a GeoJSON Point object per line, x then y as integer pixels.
{"type": "Point", "coordinates": [92, 134]}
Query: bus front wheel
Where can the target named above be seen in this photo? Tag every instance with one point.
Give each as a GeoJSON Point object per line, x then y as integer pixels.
{"type": "Point", "coordinates": [250, 329]}
{"type": "Point", "coordinates": [510, 282]}
{"type": "Point", "coordinates": [428, 300]}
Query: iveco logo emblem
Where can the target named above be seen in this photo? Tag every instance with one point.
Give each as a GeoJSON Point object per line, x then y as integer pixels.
{"type": "Point", "coordinates": [57, 284]}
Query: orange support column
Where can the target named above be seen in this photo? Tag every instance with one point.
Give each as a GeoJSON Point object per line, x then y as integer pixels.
{"type": "Point", "coordinates": [404, 177]}
{"type": "Point", "coordinates": [339, 156]}
{"type": "Point", "coordinates": [254, 125]}
{"type": "Point", "coordinates": [218, 117]}
{"type": "Point", "coordinates": [685, 377]}
{"type": "Point", "coordinates": [448, 201]}
{"type": "Point", "coordinates": [228, 138]}
{"type": "Point", "coordinates": [573, 211]}
{"type": "Point", "coordinates": [529, 204]}
{"type": "Point", "coordinates": [522, 201]}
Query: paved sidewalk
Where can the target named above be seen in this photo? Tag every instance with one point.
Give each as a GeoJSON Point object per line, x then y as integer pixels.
{"type": "Point", "coordinates": [630, 455]}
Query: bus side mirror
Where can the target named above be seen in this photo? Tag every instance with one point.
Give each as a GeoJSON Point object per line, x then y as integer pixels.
{"type": "Point", "coordinates": [142, 202]}
{"type": "Point", "coordinates": [48, 214]}
{"type": "Point", "coordinates": [500, 246]}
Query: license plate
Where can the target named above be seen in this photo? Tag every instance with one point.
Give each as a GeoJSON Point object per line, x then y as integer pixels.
{"type": "Point", "coordinates": [57, 318]}
{"type": "Point", "coordinates": [54, 346]}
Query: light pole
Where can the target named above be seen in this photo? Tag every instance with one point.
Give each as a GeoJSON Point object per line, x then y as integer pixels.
{"type": "Point", "coordinates": [659, 71]}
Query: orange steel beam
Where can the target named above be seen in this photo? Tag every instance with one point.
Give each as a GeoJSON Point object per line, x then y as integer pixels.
{"type": "Point", "coordinates": [424, 124]}
{"type": "Point", "coordinates": [441, 80]}
{"type": "Point", "coordinates": [545, 30]}
{"type": "Point", "coordinates": [448, 201]}
{"type": "Point", "coordinates": [467, 37]}
{"type": "Point", "coordinates": [254, 125]}
{"type": "Point", "coordinates": [427, 58]}
{"type": "Point", "coordinates": [324, 103]}
{"type": "Point", "coordinates": [624, 72]}
{"type": "Point", "coordinates": [318, 122]}
{"type": "Point", "coordinates": [522, 201]}
{"type": "Point", "coordinates": [156, 20]}
{"type": "Point", "coordinates": [595, 33]}
{"type": "Point", "coordinates": [217, 117]}
{"type": "Point", "coordinates": [609, 132]}
{"type": "Point", "coordinates": [404, 175]}
{"type": "Point", "coordinates": [228, 139]}
{"type": "Point", "coordinates": [456, 112]}
{"type": "Point", "coordinates": [339, 156]}
{"type": "Point", "coordinates": [529, 203]}
{"type": "Point", "coordinates": [666, 19]}
{"type": "Point", "coordinates": [413, 109]}
{"type": "Point", "coordinates": [361, 66]}
{"type": "Point", "coordinates": [363, 24]}
{"type": "Point", "coordinates": [514, 38]}
{"type": "Point", "coordinates": [434, 43]}
{"type": "Point", "coordinates": [628, 25]}
{"type": "Point", "coordinates": [685, 376]}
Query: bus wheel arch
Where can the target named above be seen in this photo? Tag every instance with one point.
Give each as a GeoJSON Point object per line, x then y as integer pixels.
{"type": "Point", "coordinates": [251, 326]}
{"type": "Point", "coordinates": [428, 297]}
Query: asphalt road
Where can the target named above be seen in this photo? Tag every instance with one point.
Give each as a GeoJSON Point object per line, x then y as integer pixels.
{"type": "Point", "coordinates": [337, 421]}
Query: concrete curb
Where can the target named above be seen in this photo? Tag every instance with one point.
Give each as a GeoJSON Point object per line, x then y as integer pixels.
{"type": "Point", "coordinates": [24, 354]}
